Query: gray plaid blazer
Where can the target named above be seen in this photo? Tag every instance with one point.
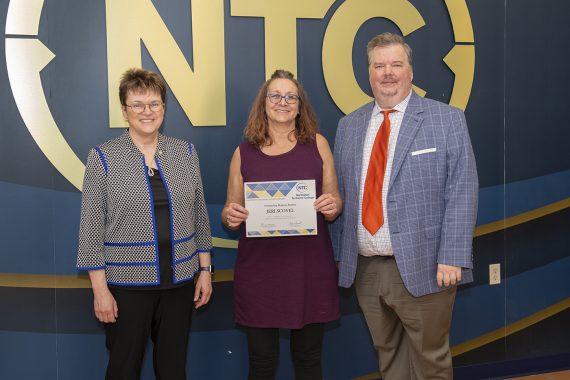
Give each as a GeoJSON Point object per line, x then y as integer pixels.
{"type": "Point", "coordinates": [117, 231]}
{"type": "Point", "coordinates": [432, 196]}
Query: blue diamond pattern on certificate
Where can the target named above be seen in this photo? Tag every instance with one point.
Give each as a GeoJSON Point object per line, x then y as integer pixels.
{"type": "Point", "coordinates": [281, 208]}
{"type": "Point", "coordinates": [268, 190]}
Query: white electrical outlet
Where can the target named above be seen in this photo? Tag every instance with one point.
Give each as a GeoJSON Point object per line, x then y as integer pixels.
{"type": "Point", "coordinates": [494, 274]}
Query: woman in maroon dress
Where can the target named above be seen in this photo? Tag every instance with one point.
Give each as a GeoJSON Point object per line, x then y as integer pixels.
{"type": "Point", "coordinates": [290, 281]}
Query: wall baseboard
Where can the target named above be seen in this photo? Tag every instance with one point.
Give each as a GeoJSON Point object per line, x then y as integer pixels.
{"type": "Point", "coordinates": [510, 368]}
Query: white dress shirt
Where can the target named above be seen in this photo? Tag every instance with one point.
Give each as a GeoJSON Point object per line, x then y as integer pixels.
{"type": "Point", "coordinates": [379, 243]}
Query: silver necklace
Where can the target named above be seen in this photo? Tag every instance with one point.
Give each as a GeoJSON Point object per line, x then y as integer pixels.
{"type": "Point", "coordinates": [150, 172]}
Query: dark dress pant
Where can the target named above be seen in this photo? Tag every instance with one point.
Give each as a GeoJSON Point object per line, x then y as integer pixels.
{"type": "Point", "coordinates": [306, 347]}
{"type": "Point", "coordinates": [165, 316]}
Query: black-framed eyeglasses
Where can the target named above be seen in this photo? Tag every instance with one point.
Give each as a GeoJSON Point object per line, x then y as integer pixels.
{"type": "Point", "coordinates": [140, 107]}
{"type": "Point", "coordinates": [276, 98]}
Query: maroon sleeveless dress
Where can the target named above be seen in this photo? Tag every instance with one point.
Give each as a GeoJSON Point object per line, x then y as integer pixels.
{"type": "Point", "coordinates": [290, 281]}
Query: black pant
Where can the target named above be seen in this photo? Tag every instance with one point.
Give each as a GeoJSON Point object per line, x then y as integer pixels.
{"type": "Point", "coordinates": [306, 347]}
{"type": "Point", "coordinates": [165, 315]}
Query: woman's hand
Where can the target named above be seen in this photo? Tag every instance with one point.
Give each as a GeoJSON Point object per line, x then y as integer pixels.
{"type": "Point", "coordinates": [104, 304]}
{"type": "Point", "coordinates": [106, 309]}
{"type": "Point", "coordinates": [326, 205]}
{"type": "Point", "coordinates": [329, 203]}
{"type": "Point", "coordinates": [203, 290]}
{"type": "Point", "coordinates": [234, 214]}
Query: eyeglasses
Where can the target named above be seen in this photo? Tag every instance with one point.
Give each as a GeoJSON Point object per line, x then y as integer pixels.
{"type": "Point", "coordinates": [140, 107]}
{"type": "Point", "coordinates": [276, 98]}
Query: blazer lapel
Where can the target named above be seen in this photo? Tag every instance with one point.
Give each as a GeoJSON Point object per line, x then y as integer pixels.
{"type": "Point", "coordinates": [360, 127]}
{"type": "Point", "coordinates": [410, 126]}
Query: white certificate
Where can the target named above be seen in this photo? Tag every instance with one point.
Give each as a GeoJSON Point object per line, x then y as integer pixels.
{"type": "Point", "coordinates": [282, 208]}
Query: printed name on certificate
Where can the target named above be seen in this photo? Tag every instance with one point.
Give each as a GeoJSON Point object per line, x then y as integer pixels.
{"type": "Point", "coordinates": [280, 208]}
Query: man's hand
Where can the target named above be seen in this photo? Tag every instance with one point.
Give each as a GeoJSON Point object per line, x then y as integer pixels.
{"type": "Point", "coordinates": [448, 275]}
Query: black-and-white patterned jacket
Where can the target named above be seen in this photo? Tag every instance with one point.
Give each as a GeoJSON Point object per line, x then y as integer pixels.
{"type": "Point", "coordinates": [117, 230]}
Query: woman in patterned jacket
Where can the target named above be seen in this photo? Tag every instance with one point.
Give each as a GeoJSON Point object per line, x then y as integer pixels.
{"type": "Point", "coordinates": [145, 235]}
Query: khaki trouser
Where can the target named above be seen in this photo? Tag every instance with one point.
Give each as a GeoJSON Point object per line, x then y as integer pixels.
{"type": "Point", "coordinates": [410, 334]}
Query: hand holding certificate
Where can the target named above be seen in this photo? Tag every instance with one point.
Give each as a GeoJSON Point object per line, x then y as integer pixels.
{"type": "Point", "coordinates": [281, 208]}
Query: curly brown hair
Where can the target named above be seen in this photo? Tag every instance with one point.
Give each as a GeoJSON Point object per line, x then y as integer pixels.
{"type": "Point", "coordinates": [306, 125]}
{"type": "Point", "coordinates": [136, 80]}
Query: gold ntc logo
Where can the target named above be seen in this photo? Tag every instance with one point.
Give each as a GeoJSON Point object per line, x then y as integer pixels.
{"type": "Point", "coordinates": [201, 90]}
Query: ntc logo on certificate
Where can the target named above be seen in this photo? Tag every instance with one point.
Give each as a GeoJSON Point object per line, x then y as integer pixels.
{"type": "Point", "coordinates": [280, 208]}
{"type": "Point", "coordinates": [302, 187]}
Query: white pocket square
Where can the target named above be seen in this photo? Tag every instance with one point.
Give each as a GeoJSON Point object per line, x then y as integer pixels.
{"type": "Point", "coordinates": [423, 151]}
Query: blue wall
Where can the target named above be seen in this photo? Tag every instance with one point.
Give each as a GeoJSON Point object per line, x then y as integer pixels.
{"type": "Point", "coordinates": [517, 120]}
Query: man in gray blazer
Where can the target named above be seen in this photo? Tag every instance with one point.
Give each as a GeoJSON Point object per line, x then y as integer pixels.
{"type": "Point", "coordinates": [405, 236]}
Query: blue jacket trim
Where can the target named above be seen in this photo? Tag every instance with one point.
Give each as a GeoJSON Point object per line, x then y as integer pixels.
{"type": "Point", "coordinates": [102, 160]}
{"type": "Point", "coordinates": [133, 283]}
{"type": "Point", "coordinates": [186, 258]}
{"type": "Point", "coordinates": [133, 244]}
{"type": "Point", "coordinates": [190, 149]}
{"type": "Point", "coordinates": [170, 215]}
{"type": "Point", "coordinates": [133, 264]}
{"type": "Point", "coordinates": [184, 239]}
{"type": "Point", "coordinates": [185, 279]}
{"type": "Point", "coordinates": [156, 253]}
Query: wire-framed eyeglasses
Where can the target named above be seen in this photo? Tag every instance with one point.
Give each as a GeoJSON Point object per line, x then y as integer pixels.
{"type": "Point", "coordinates": [276, 98]}
{"type": "Point", "coordinates": [140, 107]}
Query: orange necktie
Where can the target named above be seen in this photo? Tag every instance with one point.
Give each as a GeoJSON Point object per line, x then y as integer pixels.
{"type": "Point", "coordinates": [372, 214]}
